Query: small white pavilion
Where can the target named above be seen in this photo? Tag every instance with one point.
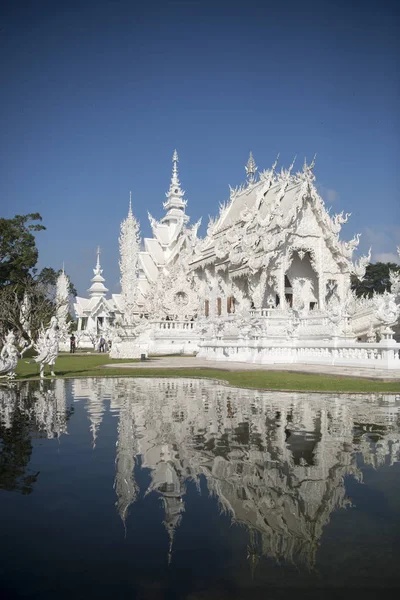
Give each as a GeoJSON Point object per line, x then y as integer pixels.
{"type": "Point", "coordinates": [96, 314]}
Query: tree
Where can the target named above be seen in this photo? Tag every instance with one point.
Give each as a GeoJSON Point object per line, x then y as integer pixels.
{"type": "Point", "coordinates": [18, 252]}
{"type": "Point", "coordinates": [48, 276]}
{"type": "Point", "coordinates": [27, 298]}
{"type": "Point", "coordinates": [376, 279]}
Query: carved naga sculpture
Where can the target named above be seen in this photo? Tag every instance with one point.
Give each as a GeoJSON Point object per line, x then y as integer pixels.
{"type": "Point", "coordinates": [338, 220]}
{"type": "Point", "coordinates": [47, 347]}
{"type": "Point", "coordinates": [360, 266]}
{"type": "Point", "coordinates": [9, 356]}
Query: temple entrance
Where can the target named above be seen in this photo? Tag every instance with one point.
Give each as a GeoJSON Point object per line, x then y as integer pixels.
{"type": "Point", "coordinates": [303, 289]}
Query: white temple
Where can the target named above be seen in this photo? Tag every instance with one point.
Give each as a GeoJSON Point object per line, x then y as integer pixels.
{"type": "Point", "coordinates": [96, 314]}
{"type": "Point", "coordinates": [270, 282]}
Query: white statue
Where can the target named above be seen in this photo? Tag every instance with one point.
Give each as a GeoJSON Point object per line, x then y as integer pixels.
{"type": "Point", "coordinates": [386, 309]}
{"type": "Point", "coordinates": [47, 346]}
{"type": "Point", "coordinates": [9, 356]}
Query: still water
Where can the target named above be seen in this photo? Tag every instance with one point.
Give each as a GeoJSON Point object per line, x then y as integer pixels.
{"type": "Point", "coordinates": [153, 488]}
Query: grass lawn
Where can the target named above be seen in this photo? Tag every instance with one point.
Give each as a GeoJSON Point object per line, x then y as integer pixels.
{"type": "Point", "coordinates": [90, 366]}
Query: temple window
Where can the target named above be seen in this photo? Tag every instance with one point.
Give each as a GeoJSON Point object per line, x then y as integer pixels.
{"type": "Point", "coordinates": [230, 305]}
{"type": "Point", "coordinates": [207, 308]}
{"type": "Point", "coordinates": [219, 307]}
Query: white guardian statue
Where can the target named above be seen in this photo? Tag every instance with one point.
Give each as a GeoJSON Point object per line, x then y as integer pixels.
{"type": "Point", "coordinates": [47, 347]}
{"type": "Point", "coordinates": [9, 356]}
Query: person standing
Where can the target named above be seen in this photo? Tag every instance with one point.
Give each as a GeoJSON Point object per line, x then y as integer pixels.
{"type": "Point", "coordinates": [72, 346]}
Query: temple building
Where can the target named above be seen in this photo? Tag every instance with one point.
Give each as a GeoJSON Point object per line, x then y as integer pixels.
{"type": "Point", "coordinates": [270, 281]}
{"type": "Point", "coordinates": [96, 314]}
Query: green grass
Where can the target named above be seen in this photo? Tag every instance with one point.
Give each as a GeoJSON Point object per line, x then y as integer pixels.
{"type": "Point", "coordinates": [90, 366]}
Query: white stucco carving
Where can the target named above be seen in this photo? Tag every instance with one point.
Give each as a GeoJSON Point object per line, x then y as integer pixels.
{"type": "Point", "coordinates": [47, 347]}
{"type": "Point", "coordinates": [129, 246]}
{"type": "Point", "coordinates": [9, 356]}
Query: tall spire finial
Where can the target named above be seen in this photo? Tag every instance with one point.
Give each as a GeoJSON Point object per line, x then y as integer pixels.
{"type": "Point", "coordinates": [175, 161]}
{"type": "Point", "coordinates": [97, 288]}
{"type": "Point", "coordinates": [130, 205]}
{"type": "Point", "coordinates": [175, 194]}
{"type": "Point", "coordinates": [251, 169]}
{"type": "Point", "coordinates": [63, 268]}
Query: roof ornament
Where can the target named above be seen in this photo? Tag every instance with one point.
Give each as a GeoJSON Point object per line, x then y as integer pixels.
{"type": "Point", "coordinates": [292, 165]}
{"type": "Point", "coordinates": [175, 160]}
{"type": "Point", "coordinates": [307, 169]}
{"type": "Point", "coordinates": [97, 288]}
{"type": "Point", "coordinates": [98, 268]}
{"type": "Point", "coordinates": [276, 162]}
{"type": "Point", "coordinates": [251, 169]}
{"type": "Point", "coordinates": [130, 214]}
{"type": "Point", "coordinates": [175, 193]}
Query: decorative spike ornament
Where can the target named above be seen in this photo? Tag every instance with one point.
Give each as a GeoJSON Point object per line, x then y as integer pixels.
{"type": "Point", "coordinates": [129, 247]}
{"type": "Point", "coordinates": [251, 169]}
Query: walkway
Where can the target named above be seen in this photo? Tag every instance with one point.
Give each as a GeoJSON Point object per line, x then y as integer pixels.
{"type": "Point", "coordinates": [189, 362]}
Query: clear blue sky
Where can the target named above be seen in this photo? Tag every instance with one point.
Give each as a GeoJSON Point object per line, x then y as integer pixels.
{"type": "Point", "coordinates": [96, 96]}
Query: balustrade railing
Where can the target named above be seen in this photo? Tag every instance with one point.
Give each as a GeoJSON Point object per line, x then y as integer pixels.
{"type": "Point", "coordinates": [384, 354]}
{"type": "Point", "coordinates": [174, 325]}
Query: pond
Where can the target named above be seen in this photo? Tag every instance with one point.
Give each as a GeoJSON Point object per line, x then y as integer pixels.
{"type": "Point", "coordinates": [186, 488]}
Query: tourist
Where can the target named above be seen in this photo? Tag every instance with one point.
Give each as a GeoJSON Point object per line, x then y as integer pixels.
{"type": "Point", "coordinates": [72, 346]}
{"type": "Point", "coordinates": [102, 344]}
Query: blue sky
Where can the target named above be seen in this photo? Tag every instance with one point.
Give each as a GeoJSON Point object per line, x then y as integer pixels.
{"type": "Point", "coordinates": [96, 96]}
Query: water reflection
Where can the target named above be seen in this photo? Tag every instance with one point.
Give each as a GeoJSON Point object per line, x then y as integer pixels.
{"type": "Point", "coordinates": [28, 412]}
{"type": "Point", "coordinates": [276, 462]}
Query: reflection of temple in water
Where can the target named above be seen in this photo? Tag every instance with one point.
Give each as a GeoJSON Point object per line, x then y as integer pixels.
{"type": "Point", "coordinates": [276, 462]}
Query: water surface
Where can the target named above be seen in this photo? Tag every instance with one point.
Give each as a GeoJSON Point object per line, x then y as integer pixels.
{"type": "Point", "coordinates": [152, 488]}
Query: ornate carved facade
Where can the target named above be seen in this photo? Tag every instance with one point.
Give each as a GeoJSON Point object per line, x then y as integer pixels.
{"type": "Point", "coordinates": [271, 262]}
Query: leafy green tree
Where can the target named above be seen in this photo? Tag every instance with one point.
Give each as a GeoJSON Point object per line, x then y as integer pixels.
{"type": "Point", "coordinates": [19, 279]}
{"type": "Point", "coordinates": [48, 276]}
{"type": "Point", "coordinates": [18, 252]}
{"type": "Point", "coordinates": [377, 279]}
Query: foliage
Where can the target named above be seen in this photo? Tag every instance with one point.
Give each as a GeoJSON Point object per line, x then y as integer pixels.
{"type": "Point", "coordinates": [376, 279]}
{"type": "Point", "coordinates": [27, 298]}
{"type": "Point", "coordinates": [41, 307]}
{"type": "Point", "coordinates": [48, 276]}
{"type": "Point", "coordinates": [92, 366]}
{"type": "Point", "coordinates": [18, 252]}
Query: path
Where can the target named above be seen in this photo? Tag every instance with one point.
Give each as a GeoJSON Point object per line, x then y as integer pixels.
{"type": "Point", "coordinates": [188, 362]}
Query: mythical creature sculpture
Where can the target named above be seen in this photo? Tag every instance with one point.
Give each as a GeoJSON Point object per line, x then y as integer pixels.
{"type": "Point", "coordinates": [9, 356]}
{"type": "Point", "coordinates": [338, 220]}
{"type": "Point", "coordinates": [360, 266]}
{"type": "Point", "coordinates": [386, 309]}
{"type": "Point", "coordinates": [47, 347]}
{"type": "Point", "coordinates": [349, 247]}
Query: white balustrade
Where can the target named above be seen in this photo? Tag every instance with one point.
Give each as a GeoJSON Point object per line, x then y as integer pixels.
{"type": "Point", "coordinates": [382, 355]}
